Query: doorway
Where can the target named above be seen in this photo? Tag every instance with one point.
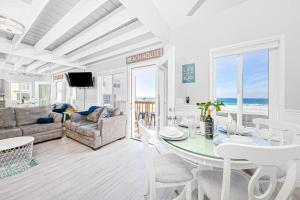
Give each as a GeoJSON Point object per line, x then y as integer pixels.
{"type": "Point", "coordinates": [148, 99]}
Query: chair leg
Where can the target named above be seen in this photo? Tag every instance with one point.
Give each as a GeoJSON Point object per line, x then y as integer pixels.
{"type": "Point", "coordinates": [188, 191]}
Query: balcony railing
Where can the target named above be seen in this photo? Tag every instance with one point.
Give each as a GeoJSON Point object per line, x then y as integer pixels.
{"type": "Point", "coordinates": [145, 110]}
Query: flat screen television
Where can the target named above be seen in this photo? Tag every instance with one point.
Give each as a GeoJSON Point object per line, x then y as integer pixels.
{"type": "Point", "coordinates": [80, 79]}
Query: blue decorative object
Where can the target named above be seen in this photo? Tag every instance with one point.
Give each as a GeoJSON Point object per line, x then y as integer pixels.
{"type": "Point", "coordinates": [105, 113]}
{"type": "Point", "coordinates": [90, 110]}
{"type": "Point", "coordinates": [45, 120]}
{"type": "Point", "coordinates": [188, 73]}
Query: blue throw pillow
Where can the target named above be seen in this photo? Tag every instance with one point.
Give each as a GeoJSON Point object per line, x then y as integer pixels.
{"type": "Point", "coordinates": [45, 120]}
{"type": "Point", "coordinates": [90, 110]}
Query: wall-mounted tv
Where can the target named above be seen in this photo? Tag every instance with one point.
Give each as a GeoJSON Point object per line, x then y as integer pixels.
{"type": "Point", "coordinates": [80, 79]}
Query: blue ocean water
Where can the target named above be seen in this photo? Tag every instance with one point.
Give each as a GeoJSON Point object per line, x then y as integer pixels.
{"type": "Point", "coordinates": [246, 101]}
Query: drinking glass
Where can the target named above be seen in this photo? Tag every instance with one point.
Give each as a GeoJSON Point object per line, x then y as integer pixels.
{"type": "Point", "coordinates": [192, 125]}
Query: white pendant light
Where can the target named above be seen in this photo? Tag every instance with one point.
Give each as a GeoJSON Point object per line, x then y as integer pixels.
{"type": "Point", "coordinates": [11, 26]}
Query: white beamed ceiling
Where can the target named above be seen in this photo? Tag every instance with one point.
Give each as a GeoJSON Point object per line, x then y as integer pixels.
{"type": "Point", "coordinates": [64, 35]}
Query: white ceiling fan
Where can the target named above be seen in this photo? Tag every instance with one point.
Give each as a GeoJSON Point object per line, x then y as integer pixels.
{"type": "Point", "coordinates": [197, 5]}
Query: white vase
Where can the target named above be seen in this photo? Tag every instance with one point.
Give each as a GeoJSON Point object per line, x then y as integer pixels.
{"type": "Point", "coordinates": [202, 127]}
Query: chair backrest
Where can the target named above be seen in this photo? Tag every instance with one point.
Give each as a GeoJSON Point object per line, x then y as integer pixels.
{"type": "Point", "coordinates": [146, 134]}
{"type": "Point", "coordinates": [268, 159]}
{"type": "Point", "coordinates": [284, 132]}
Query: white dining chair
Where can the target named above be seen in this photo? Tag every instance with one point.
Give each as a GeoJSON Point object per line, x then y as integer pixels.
{"type": "Point", "coordinates": [167, 170]}
{"type": "Point", "coordinates": [277, 131]}
{"type": "Point", "coordinates": [228, 184]}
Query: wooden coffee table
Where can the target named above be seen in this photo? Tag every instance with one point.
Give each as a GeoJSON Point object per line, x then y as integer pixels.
{"type": "Point", "coordinates": [15, 155]}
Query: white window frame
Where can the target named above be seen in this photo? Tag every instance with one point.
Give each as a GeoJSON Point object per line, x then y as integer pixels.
{"type": "Point", "coordinates": [276, 46]}
{"type": "Point", "coordinates": [30, 89]}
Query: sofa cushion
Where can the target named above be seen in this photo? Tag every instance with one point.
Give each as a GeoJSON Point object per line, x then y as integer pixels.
{"type": "Point", "coordinates": [7, 118]}
{"type": "Point", "coordinates": [114, 112]}
{"type": "Point", "coordinates": [39, 128]}
{"type": "Point", "coordinates": [94, 116]}
{"type": "Point", "coordinates": [26, 116]}
{"type": "Point", "coordinates": [10, 132]}
{"type": "Point", "coordinates": [90, 130]}
{"type": "Point", "coordinates": [74, 125]}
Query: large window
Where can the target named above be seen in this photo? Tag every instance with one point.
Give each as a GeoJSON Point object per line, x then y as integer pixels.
{"type": "Point", "coordinates": [246, 80]}
{"type": "Point", "coordinates": [242, 84]}
{"type": "Point", "coordinates": [21, 91]}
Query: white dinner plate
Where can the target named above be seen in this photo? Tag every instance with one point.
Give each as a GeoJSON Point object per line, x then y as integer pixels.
{"type": "Point", "coordinates": [171, 133]}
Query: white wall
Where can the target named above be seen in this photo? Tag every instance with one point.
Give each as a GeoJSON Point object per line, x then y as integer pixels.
{"type": "Point", "coordinates": [14, 77]}
{"type": "Point", "coordinates": [91, 94]}
{"type": "Point", "coordinates": [255, 19]}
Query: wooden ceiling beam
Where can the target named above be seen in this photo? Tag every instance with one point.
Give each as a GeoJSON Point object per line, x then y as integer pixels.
{"type": "Point", "coordinates": [125, 49]}
{"type": "Point", "coordinates": [109, 23]}
{"type": "Point", "coordinates": [148, 14]}
{"type": "Point", "coordinates": [27, 51]}
{"type": "Point", "coordinates": [79, 12]}
{"type": "Point", "coordinates": [37, 6]}
{"type": "Point", "coordinates": [88, 50]}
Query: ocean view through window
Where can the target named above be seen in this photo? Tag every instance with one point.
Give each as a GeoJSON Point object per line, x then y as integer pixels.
{"type": "Point", "coordinates": [244, 79]}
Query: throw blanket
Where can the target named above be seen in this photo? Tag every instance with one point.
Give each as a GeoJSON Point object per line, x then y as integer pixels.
{"type": "Point", "coordinates": [90, 110]}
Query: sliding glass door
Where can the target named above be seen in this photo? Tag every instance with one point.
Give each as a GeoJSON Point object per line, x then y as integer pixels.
{"type": "Point", "coordinates": [255, 86]}
{"type": "Point", "coordinates": [242, 83]}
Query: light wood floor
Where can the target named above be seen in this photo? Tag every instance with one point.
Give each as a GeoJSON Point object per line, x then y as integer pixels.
{"type": "Point", "coordinates": [68, 170]}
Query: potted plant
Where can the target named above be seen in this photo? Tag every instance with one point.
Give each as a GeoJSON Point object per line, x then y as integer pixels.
{"type": "Point", "coordinates": [204, 107]}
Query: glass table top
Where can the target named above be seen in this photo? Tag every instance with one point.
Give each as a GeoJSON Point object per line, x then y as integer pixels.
{"type": "Point", "coordinates": [199, 144]}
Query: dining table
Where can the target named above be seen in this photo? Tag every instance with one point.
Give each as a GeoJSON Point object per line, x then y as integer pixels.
{"type": "Point", "coordinates": [203, 151]}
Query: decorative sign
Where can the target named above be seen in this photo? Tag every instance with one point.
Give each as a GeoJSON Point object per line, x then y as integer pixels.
{"type": "Point", "coordinates": [58, 77]}
{"type": "Point", "coordinates": [188, 73]}
{"type": "Point", "coordinates": [156, 53]}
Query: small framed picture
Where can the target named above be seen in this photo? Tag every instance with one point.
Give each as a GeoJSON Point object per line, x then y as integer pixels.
{"type": "Point", "coordinates": [188, 73]}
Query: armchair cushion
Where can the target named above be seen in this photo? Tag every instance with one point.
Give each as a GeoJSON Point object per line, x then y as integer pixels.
{"type": "Point", "coordinates": [73, 126]}
{"type": "Point", "coordinates": [76, 117]}
{"type": "Point", "coordinates": [90, 130]}
{"type": "Point", "coordinates": [94, 116]}
{"type": "Point", "coordinates": [57, 117]}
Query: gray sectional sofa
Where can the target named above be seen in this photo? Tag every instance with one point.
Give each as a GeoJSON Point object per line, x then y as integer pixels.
{"type": "Point", "coordinates": [16, 122]}
{"type": "Point", "coordinates": [96, 131]}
